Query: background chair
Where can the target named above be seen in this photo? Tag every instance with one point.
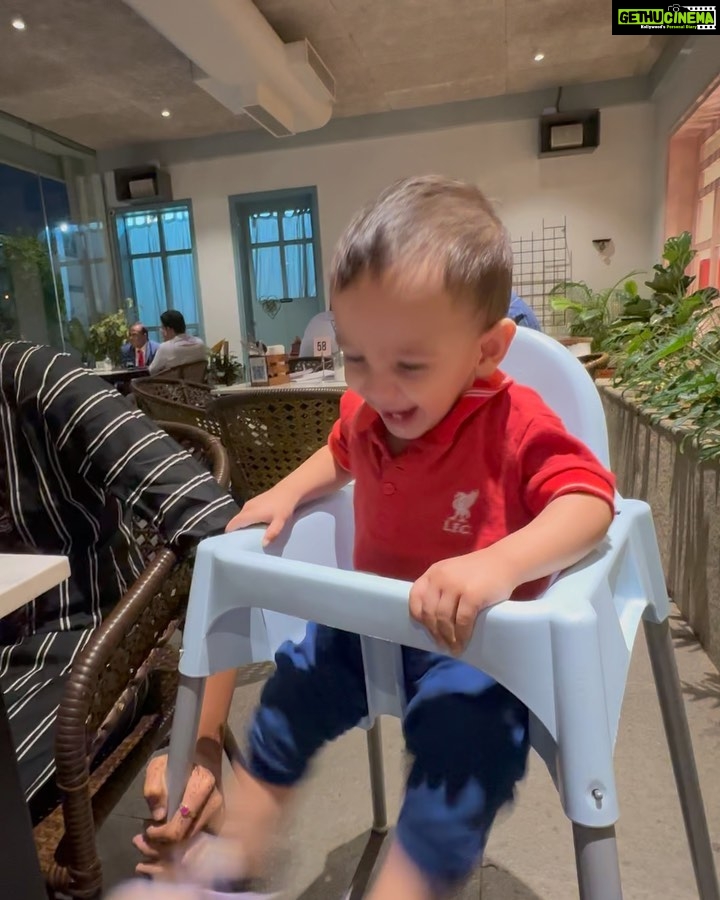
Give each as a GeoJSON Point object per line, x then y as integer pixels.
{"type": "Point", "coordinates": [268, 433]}
{"type": "Point", "coordinates": [195, 371]}
{"type": "Point", "coordinates": [128, 660]}
{"type": "Point", "coordinates": [173, 400]}
{"type": "Point", "coordinates": [565, 655]}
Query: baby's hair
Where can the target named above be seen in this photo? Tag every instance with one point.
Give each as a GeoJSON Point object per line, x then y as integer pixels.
{"type": "Point", "coordinates": [431, 220]}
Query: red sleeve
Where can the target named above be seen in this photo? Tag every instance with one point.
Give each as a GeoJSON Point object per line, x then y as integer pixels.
{"type": "Point", "coordinates": [554, 463]}
{"type": "Point", "coordinates": [339, 439]}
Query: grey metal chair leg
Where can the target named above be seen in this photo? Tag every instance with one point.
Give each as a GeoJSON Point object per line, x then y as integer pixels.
{"type": "Point", "coordinates": [597, 863]}
{"type": "Point", "coordinates": [183, 737]}
{"type": "Point", "coordinates": [377, 778]}
{"type": "Point", "coordinates": [667, 683]}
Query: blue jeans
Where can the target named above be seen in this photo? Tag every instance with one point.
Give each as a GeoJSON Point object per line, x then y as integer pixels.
{"type": "Point", "coordinates": [467, 734]}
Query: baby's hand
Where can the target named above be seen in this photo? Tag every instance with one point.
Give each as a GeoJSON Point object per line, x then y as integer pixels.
{"type": "Point", "coordinates": [274, 507]}
{"type": "Point", "coordinates": [449, 596]}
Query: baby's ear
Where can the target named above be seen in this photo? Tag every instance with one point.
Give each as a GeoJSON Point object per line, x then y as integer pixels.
{"type": "Point", "coordinates": [494, 344]}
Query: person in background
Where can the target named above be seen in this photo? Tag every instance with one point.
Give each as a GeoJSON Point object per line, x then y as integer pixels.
{"type": "Point", "coordinates": [75, 461]}
{"type": "Point", "coordinates": [178, 348]}
{"type": "Point", "coordinates": [522, 314]}
{"type": "Point", "coordinates": [320, 326]}
{"type": "Point", "coordinates": [139, 350]}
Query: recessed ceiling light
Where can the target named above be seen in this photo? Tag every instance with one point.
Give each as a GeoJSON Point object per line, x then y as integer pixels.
{"type": "Point", "coordinates": [18, 24]}
{"type": "Point", "coordinates": [539, 57]}
{"type": "Point", "coordinates": [166, 114]}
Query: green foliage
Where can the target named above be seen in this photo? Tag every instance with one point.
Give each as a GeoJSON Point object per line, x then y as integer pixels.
{"type": "Point", "coordinates": [107, 336]}
{"type": "Point", "coordinates": [226, 368]}
{"type": "Point", "coordinates": [668, 347]}
{"type": "Point", "coordinates": [593, 312]}
{"type": "Point", "coordinates": [30, 255]}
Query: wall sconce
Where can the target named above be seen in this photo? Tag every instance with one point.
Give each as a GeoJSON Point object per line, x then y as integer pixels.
{"type": "Point", "coordinates": [605, 248]}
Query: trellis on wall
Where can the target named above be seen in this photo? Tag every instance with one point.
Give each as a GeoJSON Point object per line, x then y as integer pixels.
{"type": "Point", "coordinates": [541, 261]}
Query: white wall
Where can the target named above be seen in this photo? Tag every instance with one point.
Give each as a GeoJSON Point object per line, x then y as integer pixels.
{"type": "Point", "coordinates": [607, 193]}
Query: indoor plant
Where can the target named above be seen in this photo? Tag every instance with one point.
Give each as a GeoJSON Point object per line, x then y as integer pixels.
{"type": "Point", "coordinates": [592, 312]}
{"type": "Point", "coordinates": [668, 348]}
{"type": "Point", "coordinates": [225, 368]}
{"type": "Point", "coordinates": [107, 336]}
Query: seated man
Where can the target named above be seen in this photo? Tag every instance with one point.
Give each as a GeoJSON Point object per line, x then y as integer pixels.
{"type": "Point", "coordinates": [75, 459]}
{"type": "Point", "coordinates": [139, 350]}
{"type": "Point", "coordinates": [178, 348]}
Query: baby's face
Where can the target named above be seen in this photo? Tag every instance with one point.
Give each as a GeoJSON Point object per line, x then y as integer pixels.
{"type": "Point", "coordinates": [411, 349]}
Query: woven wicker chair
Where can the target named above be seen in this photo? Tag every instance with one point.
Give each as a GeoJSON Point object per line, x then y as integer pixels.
{"type": "Point", "coordinates": [173, 400]}
{"type": "Point", "coordinates": [128, 651]}
{"type": "Point", "coordinates": [195, 371]}
{"type": "Point", "coordinates": [269, 433]}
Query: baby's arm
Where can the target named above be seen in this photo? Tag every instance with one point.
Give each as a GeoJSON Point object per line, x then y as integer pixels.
{"type": "Point", "coordinates": [449, 596]}
{"type": "Point", "coordinates": [316, 477]}
{"type": "Point", "coordinates": [561, 535]}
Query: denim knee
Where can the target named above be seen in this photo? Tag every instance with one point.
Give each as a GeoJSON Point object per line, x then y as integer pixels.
{"type": "Point", "coordinates": [316, 694]}
{"type": "Point", "coordinates": [469, 752]}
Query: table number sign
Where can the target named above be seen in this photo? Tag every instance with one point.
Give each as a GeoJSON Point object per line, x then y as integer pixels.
{"type": "Point", "coordinates": [322, 346]}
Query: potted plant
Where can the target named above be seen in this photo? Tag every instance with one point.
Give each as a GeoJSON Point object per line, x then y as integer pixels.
{"type": "Point", "coordinates": [668, 346]}
{"type": "Point", "coordinates": [107, 336]}
{"type": "Point", "coordinates": [225, 368]}
{"type": "Point", "coordinates": [591, 312]}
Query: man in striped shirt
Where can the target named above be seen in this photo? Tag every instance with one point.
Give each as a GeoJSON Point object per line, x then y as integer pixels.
{"type": "Point", "coordinates": [75, 460]}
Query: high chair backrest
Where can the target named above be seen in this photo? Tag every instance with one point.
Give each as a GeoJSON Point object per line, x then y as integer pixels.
{"type": "Point", "coordinates": [538, 361]}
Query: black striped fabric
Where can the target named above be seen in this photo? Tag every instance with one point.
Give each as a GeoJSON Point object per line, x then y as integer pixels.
{"type": "Point", "coordinates": [75, 459]}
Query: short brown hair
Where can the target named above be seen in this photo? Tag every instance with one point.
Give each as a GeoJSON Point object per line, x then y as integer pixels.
{"type": "Point", "coordinates": [431, 219]}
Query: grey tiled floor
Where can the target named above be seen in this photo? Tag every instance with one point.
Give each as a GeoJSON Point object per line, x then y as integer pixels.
{"type": "Point", "coordinates": [530, 853]}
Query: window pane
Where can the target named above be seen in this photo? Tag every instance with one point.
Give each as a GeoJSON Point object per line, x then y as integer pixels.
{"type": "Point", "coordinates": [181, 274]}
{"type": "Point", "coordinates": [73, 284]}
{"type": "Point", "coordinates": [28, 304]}
{"type": "Point", "coordinates": [310, 263]}
{"type": "Point", "coordinates": [150, 299]}
{"type": "Point", "coordinates": [297, 224]}
{"type": "Point", "coordinates": [299, 271]}
{"type": "Point", "coordinates": [142, 232]}
{"type": "Point", "coordinates": [706, 210]}
{"type": "Point", "coordinates": [176, 229]}
{"type": "Point", "coordinates": [268, 273]}
{"type": "Point", "coordinates": [711, 173]}
{"type": "Point", "coordinates": [263, 228]}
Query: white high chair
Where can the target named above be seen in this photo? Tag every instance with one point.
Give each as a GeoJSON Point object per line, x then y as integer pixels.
{"type": "Point", "coordinates": [565, 655]}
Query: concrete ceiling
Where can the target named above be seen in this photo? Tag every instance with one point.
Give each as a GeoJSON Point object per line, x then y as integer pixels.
{"type": "Point", "coordinates": [94, 72]}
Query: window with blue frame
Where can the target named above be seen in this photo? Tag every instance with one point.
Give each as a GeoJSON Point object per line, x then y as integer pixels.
{"type": "Point", "coordinates": [279, 246]}
{"type": "Point", "coordinates": [158, 263]}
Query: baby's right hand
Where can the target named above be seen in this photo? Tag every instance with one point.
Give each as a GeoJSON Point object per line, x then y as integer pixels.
{"type": "Point", "coordinates": [274, 507]}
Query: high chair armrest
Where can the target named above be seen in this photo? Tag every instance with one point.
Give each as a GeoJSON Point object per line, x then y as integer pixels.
{"type": "Point", "coordinates": [298, 575]}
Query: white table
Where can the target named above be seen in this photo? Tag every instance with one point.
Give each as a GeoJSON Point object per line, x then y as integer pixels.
{"type": "Point", "coordinates": [301, 380]}
{"type": "Point", "coordinates": [22, 578]}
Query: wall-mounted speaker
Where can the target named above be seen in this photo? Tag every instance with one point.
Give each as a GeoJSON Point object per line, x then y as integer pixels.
{"type": "Point", "coordinates": [142, 184]}
{"type": "Point", "coordinates": [569, 132]}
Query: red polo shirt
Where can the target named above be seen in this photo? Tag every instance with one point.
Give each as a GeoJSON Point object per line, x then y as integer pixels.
{"type": "Point", "coordinates": [485, 471]}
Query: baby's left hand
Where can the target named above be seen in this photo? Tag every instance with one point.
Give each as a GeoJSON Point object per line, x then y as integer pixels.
{"type": "Point", "coordinates": [449, 596]}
